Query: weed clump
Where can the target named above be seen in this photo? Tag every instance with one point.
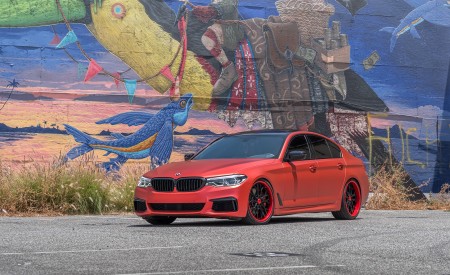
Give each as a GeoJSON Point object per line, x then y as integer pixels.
{"type": "Point", "coordinates": [389, 193]}
{"type": "Point", "coordinates": [76, 187]}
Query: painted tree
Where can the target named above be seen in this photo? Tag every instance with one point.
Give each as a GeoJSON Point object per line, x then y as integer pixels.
{"type": "Point", "coordinates": [12, 84]}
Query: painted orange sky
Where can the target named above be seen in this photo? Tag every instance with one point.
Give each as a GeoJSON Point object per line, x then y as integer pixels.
{"type": "Point", "coordinates": [83, 115]}
{"type": "Point", "coordinates": [48, 147]}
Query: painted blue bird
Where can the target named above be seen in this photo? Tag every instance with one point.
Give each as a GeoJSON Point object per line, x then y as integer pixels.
{"type": "Point", "coordinates": [154, 139]}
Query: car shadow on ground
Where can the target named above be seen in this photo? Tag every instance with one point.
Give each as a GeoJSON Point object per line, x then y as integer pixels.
{"type": "Point", "coordinates": [227, 223]}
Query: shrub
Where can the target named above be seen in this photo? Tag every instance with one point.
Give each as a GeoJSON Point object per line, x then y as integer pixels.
{"type": "Point", "coordinates": [76, 187]}
{"type": "Point", "coordinates": [389, 193]}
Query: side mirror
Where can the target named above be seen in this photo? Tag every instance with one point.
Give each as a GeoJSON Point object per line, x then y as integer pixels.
{"type": "Point", "coordinates": [188, 156]}
{"type": "Point", "coordinates": [296, 155]}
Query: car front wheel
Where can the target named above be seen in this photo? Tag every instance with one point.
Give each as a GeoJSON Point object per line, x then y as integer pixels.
{"type": "Point", "coordinates": [160, 220]}
{"type": "Point", "coordinates": [260, 203]}
{"type": "Point", "coordinates": [351, 202]}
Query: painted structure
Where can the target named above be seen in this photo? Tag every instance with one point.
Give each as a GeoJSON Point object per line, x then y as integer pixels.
{"type": "Point", "coordinates": [316, 65]}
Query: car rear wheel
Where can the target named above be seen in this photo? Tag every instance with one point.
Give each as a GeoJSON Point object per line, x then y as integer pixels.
{"type": "Point", "coordinates": [260, 203]}
{"type": "Point", "coordinates": [160, 220]}
{"type": "Point", "coordinates": [351, 202]}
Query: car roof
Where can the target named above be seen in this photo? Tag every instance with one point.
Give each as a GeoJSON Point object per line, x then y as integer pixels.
{"type": "Point", "coordinates": [269, 131]}
{"type": "Point", "coordinates": [273, 131]}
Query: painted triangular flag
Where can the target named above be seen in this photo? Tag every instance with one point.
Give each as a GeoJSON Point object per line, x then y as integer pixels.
{"type": "Point", "coordinates": [82, 69]}
{"type": "Point", "coordinates": [70, 38]}
{"type": "Point", "coordinates": [166, 72]}
{"type": "Point", "coordinates": [93, 70]}
{"type": "Point", "coordinates": [56, 40]}
{"type": "Point", "coordinates": [130, 85]}
{"type": "Point", "coordinates": [116, 77]}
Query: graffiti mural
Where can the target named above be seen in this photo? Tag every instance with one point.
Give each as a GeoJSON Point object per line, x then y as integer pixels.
{"type": "Point", "coordinates": [151, 80]}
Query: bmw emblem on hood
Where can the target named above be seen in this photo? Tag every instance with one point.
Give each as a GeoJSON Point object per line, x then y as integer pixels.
{"type": "Point", "coordinates": [177, 174]}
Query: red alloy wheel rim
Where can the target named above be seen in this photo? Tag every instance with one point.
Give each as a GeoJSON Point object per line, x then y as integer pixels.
{"type": "Point", "coordinates": [352, 198]}
{"type": "Point", "coordinates": [260, 203]}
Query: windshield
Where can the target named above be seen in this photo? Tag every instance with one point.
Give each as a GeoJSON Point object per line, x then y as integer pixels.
{"type": "Point", "coordinates": [245, 146]}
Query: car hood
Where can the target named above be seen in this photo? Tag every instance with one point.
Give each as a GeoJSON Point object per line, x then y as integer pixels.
{"type": "Point", "coordinates": [206, 168]}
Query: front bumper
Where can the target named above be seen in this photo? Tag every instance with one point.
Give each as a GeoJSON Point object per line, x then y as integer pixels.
{"type": "Point", "coordinates": [214, 202]}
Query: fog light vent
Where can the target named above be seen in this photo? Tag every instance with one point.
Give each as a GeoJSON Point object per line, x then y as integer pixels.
{"type": "Point", "coordinates": [225, 205]}
{"type": "Point", "coordinates": [139, 205]}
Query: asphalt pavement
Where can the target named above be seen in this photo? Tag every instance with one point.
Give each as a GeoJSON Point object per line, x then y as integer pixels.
{"type": "Point", "coordinates": [378, 242]}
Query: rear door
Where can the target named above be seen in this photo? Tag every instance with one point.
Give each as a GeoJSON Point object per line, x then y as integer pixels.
{"type": "Point", "coordinates": [330, 173]}
{"type": "Point", "coordinates": [302, 190]}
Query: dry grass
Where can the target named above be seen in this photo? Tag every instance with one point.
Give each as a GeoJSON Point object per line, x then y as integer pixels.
{"type": "Point", "coordinates": [73, 188]}
{"type": "Point", "coordinates": [390, 194]}
{"type": "Point", "coordinates": [441, 201]}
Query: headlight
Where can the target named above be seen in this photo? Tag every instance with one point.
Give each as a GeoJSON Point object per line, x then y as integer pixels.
{"type": "Point", "coordinates": [145, 182]}
{"type": "Point", "coordinates": [231, 180]}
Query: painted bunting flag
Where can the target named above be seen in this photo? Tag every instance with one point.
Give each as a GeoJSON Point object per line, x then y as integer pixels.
{"type": "Point", "coordinates": [82, 69]}
{"type": "Point", "coordinates": [130, 85]}
{"type": "Point", "coordinates": [70, 38]}
{"type": "Point", "coordinates": [56, 40]}
{"type": "Point", "coordinates": [167, 73]}
{"type": "Point", "coordinates": [93, 70]}
{"type": "Point", "coordinates": [116, 77]}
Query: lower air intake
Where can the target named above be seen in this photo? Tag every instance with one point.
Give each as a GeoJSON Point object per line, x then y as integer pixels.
{"type": "Point", "coordinates": [139, 205]}
{"type": "Point", "coordinates": [176, 207]}
{"type": "Point", "coordinates": [225, 205]}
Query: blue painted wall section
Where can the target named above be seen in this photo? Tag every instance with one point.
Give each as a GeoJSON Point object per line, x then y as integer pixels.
{"type": "Point", "coordinates": [442, 170]}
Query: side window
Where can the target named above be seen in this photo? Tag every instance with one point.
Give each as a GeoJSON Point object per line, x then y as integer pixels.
{"type": "Point", "coordinates": [300, 143]}
{"type": "Point", "coordinates": [335, 151]}
{"type": "Point", "coordinates": [320, 147]}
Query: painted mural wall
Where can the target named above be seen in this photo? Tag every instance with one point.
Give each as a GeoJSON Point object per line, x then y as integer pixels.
{"type": "Point", "coordinates": [150, 80]}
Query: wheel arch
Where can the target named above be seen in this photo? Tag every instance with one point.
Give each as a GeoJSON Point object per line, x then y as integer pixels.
{"type": "Point", "coordinates": [265, 179]}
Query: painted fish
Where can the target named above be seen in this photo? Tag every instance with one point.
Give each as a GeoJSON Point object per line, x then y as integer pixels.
{"type": "Point", "coordinates": [436, 12]}
{"type": "Point", "coordinates": [154, 139]}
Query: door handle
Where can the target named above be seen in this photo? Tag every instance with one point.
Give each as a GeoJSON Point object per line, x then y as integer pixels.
{"type": "Point", "coordinates": [312, 168]}
{"type": "Point", "coordinates": [340, 166]}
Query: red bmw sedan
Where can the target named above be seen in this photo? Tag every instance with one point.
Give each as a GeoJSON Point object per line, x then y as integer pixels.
{"type": "Point", "coordinates": [254, 176]}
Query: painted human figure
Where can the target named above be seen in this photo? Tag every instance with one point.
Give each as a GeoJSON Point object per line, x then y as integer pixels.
{"type": "Point", "coordinates": [221, 36]}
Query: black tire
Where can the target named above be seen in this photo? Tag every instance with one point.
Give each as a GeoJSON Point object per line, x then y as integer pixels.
{"type": "Point", "coordinates": [261, 204]}
{"type": "Point", "coordinates": [160, 220]}
{"type": "Point", "coordinates": [350, 202]}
